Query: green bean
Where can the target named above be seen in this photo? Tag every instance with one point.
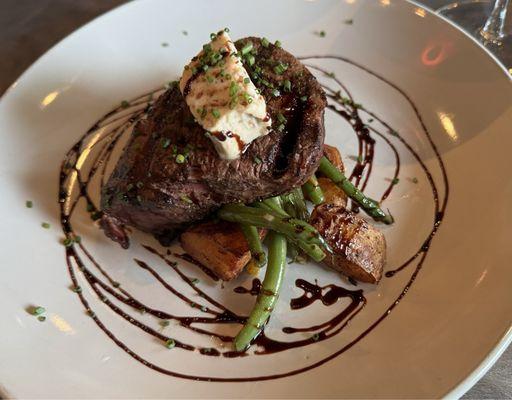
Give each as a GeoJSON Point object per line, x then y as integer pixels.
{"type": "Point", "coordinates": [269, 293]}
{"type": "Point", "coordinates": [297, 198]}
{"type": "Point", "coordinates": [313, 191]}
{"type": "Point", "coordinates": [253, 239]}
{"type": "Point", "coordinates": [370, 206]}
{"type": "Point", "coordinates": [298, 232]}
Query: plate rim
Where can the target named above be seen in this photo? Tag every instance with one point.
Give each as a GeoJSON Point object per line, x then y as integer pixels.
{"type": "Point", "coordinates": [460, 388]}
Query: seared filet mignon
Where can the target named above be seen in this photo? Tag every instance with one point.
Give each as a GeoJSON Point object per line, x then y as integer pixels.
{"type": "Point", "coordinates": [154, 190]}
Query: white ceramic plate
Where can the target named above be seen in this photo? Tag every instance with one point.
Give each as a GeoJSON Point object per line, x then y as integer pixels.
{"type": "Point", "coordinates": [452, 322]}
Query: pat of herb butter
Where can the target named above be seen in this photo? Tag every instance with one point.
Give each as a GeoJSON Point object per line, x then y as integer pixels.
{"type": "Point", "coordinates": [222, 97]}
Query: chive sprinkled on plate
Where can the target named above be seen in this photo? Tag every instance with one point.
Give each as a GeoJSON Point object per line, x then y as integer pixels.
{"type": "Point", "coordinates": [194, 281]}
{"type": "Point", "coordinates": [29, 204]}
{"type": "Point", "coordinates": [165, 323]}
{"type": "Point", "coordinates": [45, 225]}
{"type": "Point", "coordinates": [395, 181]}
{"type": "Point", "coordinates": [125, 104]}
{"type": "Point", "coordinates": [316, 337]}
{"type": "Point", "coordinates": [414, 180]}
{"type": "Point", "coordinates": [287, 86]}
{"type": "Point", "coordinates": [170, 343]}
{"type": "Point", "coordinates": [165, 44]}
{"type": "Point", "coordinates": [276, 93]}
{"type": "Point", "coordinates": [257, 160]}
{"type": "Point", "coordinates": [349, 21]}
{"type": "Point", "coordinates": [185, 33]}
{"type": "Point", "coordinates": [38, 310]}
{"type": "Point", "coordinates": [41, 318]}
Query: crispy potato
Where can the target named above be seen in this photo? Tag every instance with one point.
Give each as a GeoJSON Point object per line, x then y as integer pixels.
{"type": "Point", "coordinates": [332, 193]}
{"type": "Point", "coordinates": [334, 156]}
{"type": "Point", "coordinates": [218, 245]}
{"type": "Point", "coordinates": [359, 249]}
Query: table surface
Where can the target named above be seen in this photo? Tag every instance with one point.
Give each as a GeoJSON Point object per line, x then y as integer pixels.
{"type": "Point", "coordinates": [30, 27]}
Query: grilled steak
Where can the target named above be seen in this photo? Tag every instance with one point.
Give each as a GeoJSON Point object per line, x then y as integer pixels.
{"type": "Point", "coordinates": [150, 190]}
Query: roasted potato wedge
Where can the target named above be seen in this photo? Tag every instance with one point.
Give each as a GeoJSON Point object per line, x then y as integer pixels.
{"type": "Point", "coordinates": [218, 245]}
{"type": "Point", "coordinates": [359, 249]}
{"type": "Point", "coordinates": [334, 156]}
{"type": "Point", "coordinates": [332, 193]}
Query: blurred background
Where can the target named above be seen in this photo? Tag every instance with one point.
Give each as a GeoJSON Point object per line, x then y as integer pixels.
{"type": "Point", "coordinates": [28, 28]}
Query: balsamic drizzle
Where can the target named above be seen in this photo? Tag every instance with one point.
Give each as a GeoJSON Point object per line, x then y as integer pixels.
{"type": "Point", "coordinates": [106, 134]}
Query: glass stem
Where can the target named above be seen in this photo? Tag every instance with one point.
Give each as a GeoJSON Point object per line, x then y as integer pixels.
{"type": "Point", "coordinates": [494, 28]}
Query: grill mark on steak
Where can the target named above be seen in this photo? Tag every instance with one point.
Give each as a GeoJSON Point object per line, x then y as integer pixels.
{"type": "Point", "coordinates": [172, 195]}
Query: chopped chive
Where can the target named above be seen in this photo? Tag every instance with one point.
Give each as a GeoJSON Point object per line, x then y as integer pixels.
{"type": "Point", "coordinates": [281, 118]}
{"type": "Point", "coordinates": [280, 128]}
{"type": "Point", "coordinates": [165, 323]}
{"type": "Point", "coordinates": [91, 313]}
{"type": "Point", "coordinates": [180, 158]}
{"type": "Point", "coordinates": [41, 318]}
{"type": "Point", "coordinates": [45, 225]}
{"type": "Point", "coordinates": [414, 180]}
{"type": "Point", "coordinates": [77, 289]}
{"type": "Point", "coordinates": [250, 59]}
{"type": "Point", "coordinates": [165, 142]}
{"type": "Point", "coordinates": [125, 104]}
{"type": "Point", "coordinates": [213, 36]}
{"type": "Point", "coordinates": [170, 343]}
{"type": "Point", "coordinates": [139, 184]}
{"type": "Point", "coordinates": [257, 160]}
{"type": "Point", "coordinates": [204, 309]}
{"type": "Point", "coordinates": [184, 33]}
{"type": "Point", "coordinates": [186, 199]}
{"type": "Point", "coordinates": [29, 204]}
{"type": "Point", "coordinates": [247, 80]}
{"type": "Point", "coordinates": [215, 113]}
{"type": "Point", "coordinates": [209, 78]}
{"type": "Point", "coordinates": [349, 21]}
{"type": "Point", "coordinates": [370, 120]}
{"type": "Point", "coordinates": [304, 98]}
{"type": "Point", "coordinates": [277, 43]}
{"type": "Point", "coordinates": [321, 33]}
{"type": "Point", "coordinates": [226, 30]}
{"type": "Point", "coordinates": [38, 310]}
{"type": "Point", "coordinates": [265, 42]}
{"type": "Point", "coordinates": [116, 284]}
{"type": "Point", "coordinates": [395, 181]}
{"type": "Point", "coordinates": [316, 337]}
{"type": "Point", "coordinates": [330, 74]}
{"type": "Point", "coordinates": [287, 85]}
{"type": "Point", "coordinates": [280, 68]}
{"type": "Point", "coordinates": [165, 44]}
{"type": "Point", "coordinates": [276, 93]}
{"type": "Point", "coordinates": [247, 48]}
{"type": "Point", "coordinates": [393, 132]}
{"type": "Point", "coordinates": [194, 281]}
